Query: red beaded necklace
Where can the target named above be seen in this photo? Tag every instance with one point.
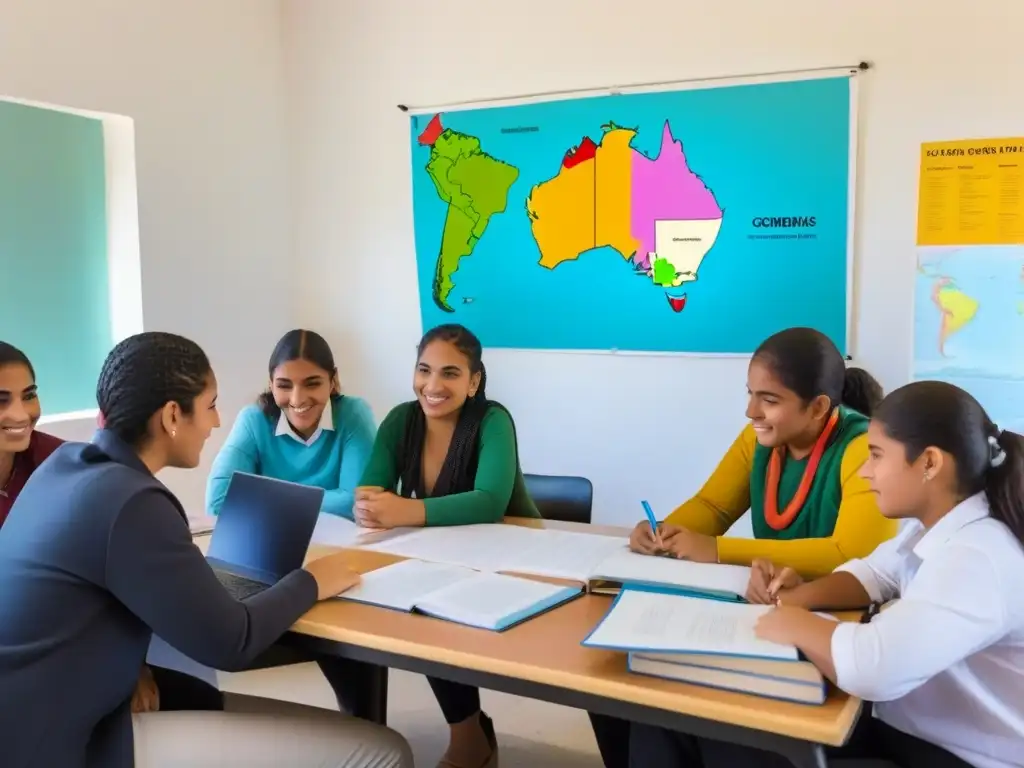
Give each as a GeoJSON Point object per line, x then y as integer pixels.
{"type": "Point", "coordinates": [780, 521]}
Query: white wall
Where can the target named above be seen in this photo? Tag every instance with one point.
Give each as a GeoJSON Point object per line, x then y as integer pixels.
{"type": "Point", "coordinates": [203, 80]}
{"type": "Point", "coordinates": [943, 70]}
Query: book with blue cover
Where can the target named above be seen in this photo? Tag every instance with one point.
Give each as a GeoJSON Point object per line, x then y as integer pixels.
{"type": "Point", "coordinates": [491, 601]}
{"type": "Point", "coordinates": [705, 642]}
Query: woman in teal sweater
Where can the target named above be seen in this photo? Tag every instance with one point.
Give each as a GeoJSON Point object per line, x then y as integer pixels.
{"type": "Point", "coordinates": [449, 457]}
{"type": "Point", "coordinates": [302, 430]}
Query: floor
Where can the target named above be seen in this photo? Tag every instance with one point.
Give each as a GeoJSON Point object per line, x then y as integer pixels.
{"type": "Point", "coordinates": [531, 734]}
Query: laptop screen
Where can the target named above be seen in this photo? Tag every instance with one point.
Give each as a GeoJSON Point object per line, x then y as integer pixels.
{"type": "Point", "coordinates": [264, 527]}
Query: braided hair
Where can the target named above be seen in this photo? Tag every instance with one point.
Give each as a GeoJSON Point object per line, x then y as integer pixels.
{"type": "Point", "coordinates": [142, 374]}
{"type": "Point", "coordinates": [458, 473]}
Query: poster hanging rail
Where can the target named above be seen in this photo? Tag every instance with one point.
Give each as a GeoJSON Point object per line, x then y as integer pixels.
{"type": "Point", "coordinates": [849, 69]}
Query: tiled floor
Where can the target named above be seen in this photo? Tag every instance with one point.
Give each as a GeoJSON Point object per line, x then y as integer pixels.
{"type": "Point", "coordinates": [531, 734]}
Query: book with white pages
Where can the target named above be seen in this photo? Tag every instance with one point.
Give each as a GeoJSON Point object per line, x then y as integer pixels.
{"type": "Point", "coordinates": [337, 531]}
{"type": "Point", "coordinates": [458, 594]}
{"type": "Point", "coordinates": [601, 563]}
{"type": "Point", "coordinates": [705, 642]}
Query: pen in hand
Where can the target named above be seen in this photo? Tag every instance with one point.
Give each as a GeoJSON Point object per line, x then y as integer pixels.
{"type": "Point", "coordinates": [655, 531]}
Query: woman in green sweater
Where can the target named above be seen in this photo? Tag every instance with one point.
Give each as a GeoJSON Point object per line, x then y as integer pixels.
{"type": "Point", "coordinates": [449, 457]}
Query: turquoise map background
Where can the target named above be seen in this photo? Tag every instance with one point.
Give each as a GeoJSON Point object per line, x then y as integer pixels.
{"type": "Point", "coordinates": [494, 188]}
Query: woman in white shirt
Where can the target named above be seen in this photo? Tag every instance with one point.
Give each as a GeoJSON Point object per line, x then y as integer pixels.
{"type": "Point", "coordinates": [944, 663]}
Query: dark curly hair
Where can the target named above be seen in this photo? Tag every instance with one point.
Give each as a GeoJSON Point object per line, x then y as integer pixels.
{"type": "Point", "coordinates": [142, 374]}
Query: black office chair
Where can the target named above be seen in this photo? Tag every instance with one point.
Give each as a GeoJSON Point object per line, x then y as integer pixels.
{"type": "Point", "coordinates": [559, 497]}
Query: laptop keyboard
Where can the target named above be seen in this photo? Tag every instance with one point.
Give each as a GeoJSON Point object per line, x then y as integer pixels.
{"type": "Point", "coordinates": [239, 586]}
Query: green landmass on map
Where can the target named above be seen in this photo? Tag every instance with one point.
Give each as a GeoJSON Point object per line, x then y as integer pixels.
{"type": "Point", "coordinates": [475, 186]}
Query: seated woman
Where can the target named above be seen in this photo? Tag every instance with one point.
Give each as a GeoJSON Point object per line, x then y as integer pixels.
{"type": "Point", "coordinates": [22, 447]}
{"type": "Point", "coordinates": [22, 450]}
{"type": "Point", "coordinates": [794, 467]}
{"type": "Point", "coordinates": [449, 457]}
{"type": "Point", "coordinates": [944, 664]}
{"type": "Point", "coordinates": [303, 429]}
{"type": "Point", "coordinates": [96, 556]}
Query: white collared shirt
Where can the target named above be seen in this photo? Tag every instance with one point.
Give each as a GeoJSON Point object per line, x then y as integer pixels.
{"type": "Point", "coordinates": [945, 662]}
{"type": "Point", "coordinates": [284, 427]}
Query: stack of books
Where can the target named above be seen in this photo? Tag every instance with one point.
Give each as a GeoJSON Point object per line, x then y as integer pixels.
{"type": "Point", "coordinates": [705, 642]}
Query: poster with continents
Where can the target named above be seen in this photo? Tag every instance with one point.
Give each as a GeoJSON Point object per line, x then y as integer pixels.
{"type": "Point", "coordinates": [969, 292]}
{"type": "Point", "coordinates": [692, 221]}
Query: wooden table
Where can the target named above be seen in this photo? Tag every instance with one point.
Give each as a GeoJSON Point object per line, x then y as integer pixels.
{"type": "Point", "coordinates": [543, 659]}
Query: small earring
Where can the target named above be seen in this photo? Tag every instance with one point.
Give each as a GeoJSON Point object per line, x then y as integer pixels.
{"type": "Point", "coordinates": [926, 477]}
{"type": "Point", "coordinates": [174, 433]}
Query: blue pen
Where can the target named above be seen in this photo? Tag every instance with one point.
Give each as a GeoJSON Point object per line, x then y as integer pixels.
{"type": "Point", "coordinates": [650, 518]}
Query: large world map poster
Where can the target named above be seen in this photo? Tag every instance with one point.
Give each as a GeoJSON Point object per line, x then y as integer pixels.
{"type": "Point", "coordinates": [692, 221]}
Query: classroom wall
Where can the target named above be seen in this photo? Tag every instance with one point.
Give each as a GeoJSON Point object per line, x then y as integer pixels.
{"type": "Point", "coordinates": [203, 82]}
{"type": "Point", "coordinates": [639, 427]}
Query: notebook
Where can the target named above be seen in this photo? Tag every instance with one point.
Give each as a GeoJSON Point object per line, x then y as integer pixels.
{"type": "Point", "coordinates": [601, 563]}
{"type": "Point", "coordinates": [705, 642]}
{"type": "Point", "coordinates": [458, 594]}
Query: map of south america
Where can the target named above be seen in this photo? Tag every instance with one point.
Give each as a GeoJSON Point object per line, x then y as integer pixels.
{"type": "Point", "coordinates": [655, 212]}
{"type": "Point", "coordinates": [474, 185]}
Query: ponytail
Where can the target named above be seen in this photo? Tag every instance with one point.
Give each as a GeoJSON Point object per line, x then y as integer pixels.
{"type": "Point", "coordinates": [807, 362]}
{"type": "Point", "coordinates": [861, 391]}
{"type": "Point", "coordinates": [1004, 481]}
{"type": "Point", "coordinates": [938, 414]}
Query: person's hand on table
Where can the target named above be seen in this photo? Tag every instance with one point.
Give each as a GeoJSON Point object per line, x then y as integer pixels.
{"type": "Point", "coordinates": [384, 509]}
{"type": "Point", "coordinates": [333, 575]}
{"type": "Point", "coordinates": [770, 584]}
{"type": "Point", "coordinates": [146, 697]}
{"type": "Point", "coordinates": [366, 491]}
{"type": "Point", "coordinates": [684, 544]}
{"type": "Point", "coordinates": [781, 625]}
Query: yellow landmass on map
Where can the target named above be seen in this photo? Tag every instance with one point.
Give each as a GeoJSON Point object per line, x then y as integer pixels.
{"type": "Point", "coordinates": [957, 308]}
{"type": "Point", "coordinates": [613, 193]}
{"type": "Point", "coordinates": [588, 205]}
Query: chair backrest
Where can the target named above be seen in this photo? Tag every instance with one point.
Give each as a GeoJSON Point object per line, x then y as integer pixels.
{"type": "Point", "coordinates": [559, 497]}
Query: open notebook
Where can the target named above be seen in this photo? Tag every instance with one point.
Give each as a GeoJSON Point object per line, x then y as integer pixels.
{"type": "Point", "coordinates": [602, 563]}
{"type": "Point", "coordinates": [705, 642]}
{"type": "Point", "coordinates": [458, 594]}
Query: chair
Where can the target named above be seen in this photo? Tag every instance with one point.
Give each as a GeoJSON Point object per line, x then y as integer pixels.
{"type": "Point", "coordinates": [560, 497]}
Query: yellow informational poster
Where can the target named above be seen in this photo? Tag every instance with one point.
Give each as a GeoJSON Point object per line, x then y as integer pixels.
{"type": "Point", "coordinates": [971, 193]}
{"type": "Point", "coordinates": [969, 291]}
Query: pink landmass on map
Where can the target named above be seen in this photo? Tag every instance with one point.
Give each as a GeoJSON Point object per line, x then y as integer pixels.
{"type": "Point", "coordinates": [665, 188]}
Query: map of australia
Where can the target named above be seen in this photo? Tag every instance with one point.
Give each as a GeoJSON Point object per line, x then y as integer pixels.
{"type": "Point", "coordinates": [474, 185]}
{"type": "Point", "coordinates": [655, 212]}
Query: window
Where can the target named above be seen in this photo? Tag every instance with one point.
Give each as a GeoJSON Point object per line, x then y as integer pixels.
{"type": "Point", "coordinates": [68, 245]}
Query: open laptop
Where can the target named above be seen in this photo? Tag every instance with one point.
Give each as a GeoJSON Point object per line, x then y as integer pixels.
{"type": "Point", "coordinates": [262, 532]}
